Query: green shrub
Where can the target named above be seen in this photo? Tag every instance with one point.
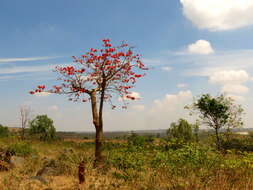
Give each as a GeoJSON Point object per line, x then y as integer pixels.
{"type": "Point", "coordinates": [125, 159]}
{"type": "Point", "coordinates": [112, 145]}
{"type": "Point", "coordinates": [42, 128]}
{"type": "Point", "coordinates": [4, 132]}
{"type": "Point", "coordinates": [139, 141]}
{"type": "Point", "coordinates": [240, 144]}
{"type": "Point", "coordinates": [136, 140]}
{"type": "Point", "coordinates": [173, 144]}
{"type": "Point", "coordinates": [181, 131]}
{"type": "Point", "coordinates": [68, 160]}
{"type": "Point", "coordinates": [191, 156]}
{"type": "Point", "coordinates": [21, 149]}
{"type": "Point", "coordinates": [251, 134]}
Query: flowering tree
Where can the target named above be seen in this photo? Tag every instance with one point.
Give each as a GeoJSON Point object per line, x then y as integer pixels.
{"type": "Point", "coordinates": [98, 76]}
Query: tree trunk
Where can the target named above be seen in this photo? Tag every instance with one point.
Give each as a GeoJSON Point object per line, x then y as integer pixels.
{"type": "Point", "coordinates": [23, 133]}
{"type": "Point", "coordinates": [217, 139]}
{"type": "Point", "coordinates": [98, 123]}
{"type": "Point", "coordinates": [99, 146]}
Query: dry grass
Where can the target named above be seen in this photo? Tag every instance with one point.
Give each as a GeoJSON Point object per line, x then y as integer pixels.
{"type": "Point", "coordinates": [105, 178]}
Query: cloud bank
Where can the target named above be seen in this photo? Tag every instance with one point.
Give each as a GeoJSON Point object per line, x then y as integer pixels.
{"type": "Point", "coordinates": [232, 82]}
{"type": "Point", "coordinates": [219, 15]}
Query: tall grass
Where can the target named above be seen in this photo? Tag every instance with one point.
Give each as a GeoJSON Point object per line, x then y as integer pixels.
{"type": "Point", "coordinates": [139, 166]}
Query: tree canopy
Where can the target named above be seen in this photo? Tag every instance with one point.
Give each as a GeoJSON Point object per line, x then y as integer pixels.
{"type": "Point", "coordinates": [3, 131]}
{"type": "Point", "coordinates": [218, 112]}
{"type": "Point", "coordinates": [43, 128]}
{"type": "Point", "coordinates": [181, 131]}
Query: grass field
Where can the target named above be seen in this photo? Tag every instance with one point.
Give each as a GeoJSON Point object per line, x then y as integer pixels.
{"type": "Point", "coordinates": [156, 165]}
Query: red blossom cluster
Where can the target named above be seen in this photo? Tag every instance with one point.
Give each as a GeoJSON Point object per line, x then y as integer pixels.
{"type": "Point", "coordinates": [112, 68]}
{"type": "Point", "coordinates": [39, 89]}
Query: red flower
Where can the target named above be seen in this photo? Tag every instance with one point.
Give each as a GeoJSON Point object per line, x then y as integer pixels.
{"type": "Point", "coordinates": [41, 87]}
{"type": "Point", "coordinates": [138, 76]}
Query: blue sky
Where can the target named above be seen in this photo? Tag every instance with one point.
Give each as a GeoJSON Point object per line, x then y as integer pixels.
{"type": "Point", "coordinates": [191, 47]}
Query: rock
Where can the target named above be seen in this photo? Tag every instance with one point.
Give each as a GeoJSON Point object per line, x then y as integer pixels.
{"type": "Point", "coordinates": [39, 178]}
{"type": "Point", "coordinates": [17, 161]}
{"type": "Point", "coordinates": [48, 169]}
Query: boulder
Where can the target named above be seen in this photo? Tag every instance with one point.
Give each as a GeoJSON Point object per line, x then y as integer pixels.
{"type": "Point", "coordinates": [49, 168]}
{"type": "Point", "coordinates": [17, 161]}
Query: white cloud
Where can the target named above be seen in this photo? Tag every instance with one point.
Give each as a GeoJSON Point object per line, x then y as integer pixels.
{"type": "Point", "coordinates": [29, 69]}
{"type": "Point", "coordinates": [135, 95]}
{"type": "Point", "coordinates": [202, 47]}
{"type": "Point", "coordinates": [25, 59]}
{"type": "Point", "coordinates": [232, 83]}
{"type": "Point", "coordinates": [26, 69]}
{"type": "Point", "coordinates": [169, 109]}
{"type": "Point", "coordinates": [157, 115]}
{"type": "Point", "coordinates": [237, 98]}
{"type": "Point", "coordinates": [182, 85]}
{"type": "Point", "coordinates": [235, 89]}
{"type": "Point", "coordinates": [229, 77]}
{"type": "Point", "coordinates": [218, 15]}
{"type": "Point", "coordinates": [220, 61]}
{"type": "Point", "coordinates": [172, 99]}
{"type": "Point", "coordinates": [167, 68]}
{"type": "Point", "coordinates": [42, 94]}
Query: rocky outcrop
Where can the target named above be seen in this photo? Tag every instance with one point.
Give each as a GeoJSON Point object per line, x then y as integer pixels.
{"type": "Point", "coordinates": [8, 160]}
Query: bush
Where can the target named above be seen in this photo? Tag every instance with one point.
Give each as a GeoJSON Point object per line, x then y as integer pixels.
{"type": "Point", "coordinates": [21, 149]}
{"type": "Point", "coordinates": [124, 159]}
{"type": "Point", "coordinates": [189, 157]}
{"type": "Point", "coordinates": [240, 144]}
{"type": "Point", "coordinates": [181, 131]}
{"type": "Point", "coordinates": [4, 132]}
{"type": "Point", "coordinates": [251, 134]}
{"type": "Point", "coordinates": [136, 140]}
{"type": "Point", "coordinates": [42, 127]}
{"type": "Point", "coordinates": [140, 141]}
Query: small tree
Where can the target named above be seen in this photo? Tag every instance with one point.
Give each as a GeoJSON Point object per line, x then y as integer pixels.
{"type": "Point", "coordinates": [96, 77]}
{"type": "Point", "coordinates": [195, 127]}
{"type": "Point", "coordinates": [25, 112]}
{"type": "Point", "coordinates": [4, 132]}
{"type": "Point", "coordinates": [218, 112]}
{"type": "Point", "coordinates": [136, 140]}
{"type": "Point", "coordinates": [43, 128]}
{"type": "Point", "coordinates": [181, 131]}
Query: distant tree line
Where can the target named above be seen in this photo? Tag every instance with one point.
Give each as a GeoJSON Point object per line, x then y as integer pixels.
{"type": "Point", "coordinates": [41, 128]}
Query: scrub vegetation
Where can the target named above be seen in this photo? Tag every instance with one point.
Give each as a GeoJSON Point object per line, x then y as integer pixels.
{"type": "Point", "coordinates": [180, 161]}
